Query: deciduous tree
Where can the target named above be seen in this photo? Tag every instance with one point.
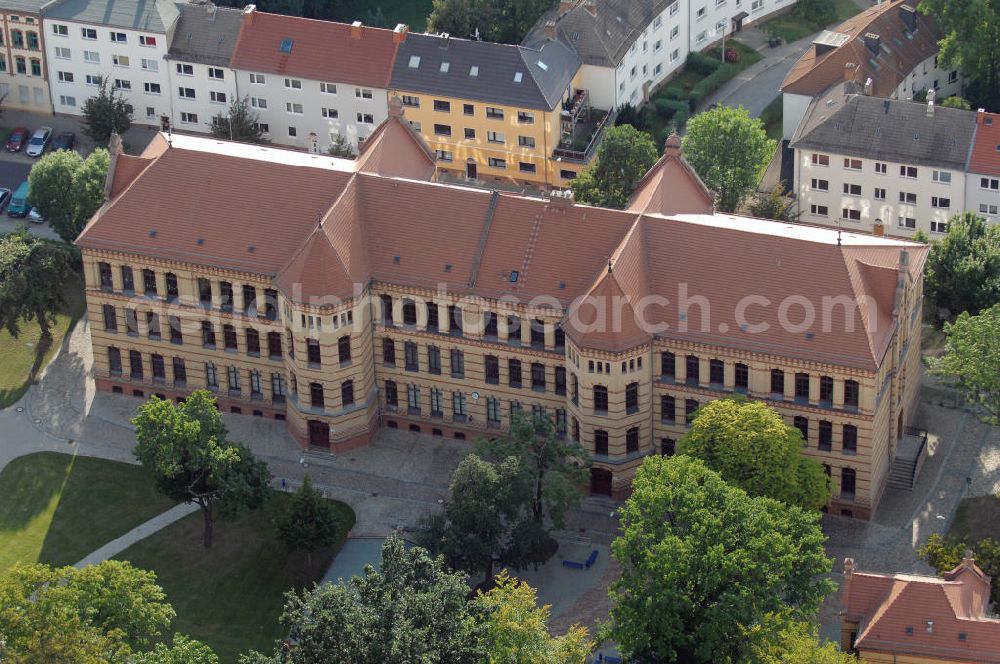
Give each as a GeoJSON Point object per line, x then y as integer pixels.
{"type": "Point", "coordinates": [504, 21]}
{"type": "Point", "coordinates": [971, 43]}
{"type": "Point", "coordinates": [957, 102]}
{"type": "Point", "coordinates": [240, 123]}
{"type": "Point", "coordinates": [515, 628]}
{"type": "Point", "coordinates": [749, 444]}
{"type": "Point", "coordinates": [184, 447]}
{"type": "Point", "coordinates": [33, 276]}
{"type": "Point", "coordinates": [623, 158]}
{"type": "Point", "coordinates": [703, 564]}
{"type": "Point", "coordinates": [311, 522]}
{"type": "Point", "coordinates": [341, 147]}
{"type": "Point", "coordinates": [184, 650]}
{"type": "Point", "coordinates": [67, 189]}
{"type": "Point", "coordinates": [775, 204]}
{"type": "Point", "coordinates": [945, 553]}
{"type": "Point", "coordinates": [411, 610]}
{"type": "Point", "coordinates": [729, 150]}
{"type": "Point", "coordinates": [963, 268]}
{"type": "Point", "coordinates": [797, 643]}
{"type": "Point", "coordinates": [106, 113]}
{"type": "Point", "coordinates": [972, 357]}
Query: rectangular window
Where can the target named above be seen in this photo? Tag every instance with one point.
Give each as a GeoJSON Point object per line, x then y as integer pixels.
{"type": "Point", "coordinates": [185, 70]}
{"type": "Point", "coordinates": [62, 53]}
{"type": "Point", "coordinates": [366, 118]}
{"type": "Point", "coordinates": [802, 387]}
{"type": "Point", "coordinates": [907, 197]}
{"type": "Point", "coordinates": [180, 372]}
{"type": "Point", "coordinates": [458, 406]}
{"type": "Point", "coordinates": [468, 109]}
{"type": "Point", "coordinates": [524, 141]}
{"type": "Point", "coordinates": [526, 167]}
{"type": "Point", "coordinates": [494, 113]}
{"type": "Point", "coordinates": [153, 325]}
{"type": "Point", "coordinates": [908, 172]}
{"type": "Point", "coordinates": [457, 363]}
{"type": "Point", "coordinates": [123, 84]}
{"type": "Point", "coordinates": [852, 189]}
{"type": "Point", "coordinates": [851, 393]}
{"type": "Point", "coordinates": [992, 184]}
{"type": "Point", "coordinates": [939, 227]}
{"type": "Point", "coordinates": [850, 440]}
{"type": "Point", "coordinates": [189, 118]}
{"type": "Point", "coordinates": [538, 376]}
{"type": "Point", "coordinates": [442, 130]}
{"type": "Point", "coordinates": [120, 60]}
{"type": "Point", "coordinates": [186, 93]}
{"type": "Point", "coordinates": [217, 97]}
{"type": "Point", "coordinates": [907, 222]}
{"type": "Point", "coordinates": [690, 408]}
{"type": "Point", "coordinates": [258, 102]}
{"type": "Point", "coordinates": [514, 373]}
{"type": "Point", "coordinates": [145, 40]}
{"type": "Point", "coordinates": [879, 194]}
{"type": "Point", "coordinates": [852, 164]}
{"type": "Point", "coordinates": [293, 108]}
{"type": "Point", "coordinates": [442, 106]}
{"type": "Point", "coordinates": [988, 209]}
{"type": "Point", "coordinates": [119, 37]}
{"type": "Point", "coordinates": [494, 162]}
{"type": "Point", "coordinates": [742, 375]}
{"type": "Point", "coordinates": [211, 376]}
{"type": "Point", "coordinates": [716, 372]}
{"type": "Point", "coordinates": [819, 185]}
{"type": "Point", "coordinates": [944, 177]}
{"type": "Point", "coordinates": [444, 155]}
{"type": "Point", "coordinates": [61, 30]}
{"type": "Point", "coordinates": [668, 409]}
{"type": "Point", "coordinates": [693, 366]}
{"type": "Point", "coordinates": [110, 318]}
{"type": "Point", "coordinates": [293, 84]}
{"type": "Point", "coordinates": [524, 117]}
{"type": "Point", "coordinates": [88, 33]}
{"type": "Point", "coordinates": [257, 79]}
{"type": "Point", "coordinates": [777, 383]}
{"type": "Point", "coordinates": [131, 322]}
{"type": "Point", "coordinates": [434, 360]}
{"type": "Point", "coordinates": [820, 159]}
{"type": "Point", "coordinates": [363, 93]}
{"type": "Point", "coordinates": [940, 202]}
{"type": "Point", "coordinates": [850, 214]}
{"type": "Point", "coordinates": [388, 351]}
{"type": "Point", "coordinates": [410, 356]}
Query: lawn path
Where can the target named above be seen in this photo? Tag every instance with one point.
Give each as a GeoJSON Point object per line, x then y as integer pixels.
{"type": "Point", "coordinates": [140, 532]}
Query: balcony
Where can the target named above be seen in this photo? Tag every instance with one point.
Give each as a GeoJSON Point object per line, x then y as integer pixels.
{"type": "Point", "coordinates": [581, 137]}
{"type": "Point", "coordinates": [572, 108]}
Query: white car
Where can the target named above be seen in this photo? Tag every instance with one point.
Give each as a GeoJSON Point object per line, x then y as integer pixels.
{"type": "Point", "coordinates": [39, 141]}
{"type": "Point", "coordinates": [34, 217]}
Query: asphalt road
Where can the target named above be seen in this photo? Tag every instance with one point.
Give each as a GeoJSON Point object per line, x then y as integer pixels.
{"type": "Point", "coordinates": [14, 170]}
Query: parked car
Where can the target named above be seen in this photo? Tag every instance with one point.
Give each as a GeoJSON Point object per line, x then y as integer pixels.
{"type": "Point", "coordinates": [39, 141]}
{"type": "Point", "coordinates": [5, 195]}
{"type": "Point", "coordinates": [35, 218]}
{"type": "Point", "coordinates": [19, 201]}
{"type": "Point", "coordinates": [17, 139]}
{"type": "Point", "coordinates": [64, 141]}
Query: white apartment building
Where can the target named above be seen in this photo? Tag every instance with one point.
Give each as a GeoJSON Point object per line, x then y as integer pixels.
{"type": "Point", "coordinates": [23, 76]}
{"type": "Point", "coordinates": [124, 41]}
{"type": "Point", "coordinates": [982, 182]}
{"type": "Point", "coordinates": [630, 47]}
{"type": "Point", "coordinates": [868, 164]}
{"type": "Point", "coordinates": [889, 50]}
{"type": "Point", "coordinates": [312, 81]}
{"type": "Point", "coordinates": [202, 83]}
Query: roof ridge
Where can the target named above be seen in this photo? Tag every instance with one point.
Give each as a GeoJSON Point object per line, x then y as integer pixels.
{"type": "Point", "coordinates": [322, 217]}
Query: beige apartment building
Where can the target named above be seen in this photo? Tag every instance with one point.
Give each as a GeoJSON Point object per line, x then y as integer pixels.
{"type": "Point", "coordinates": [24, 81]}
{"type": "Point", "coordinates": [381, 298]}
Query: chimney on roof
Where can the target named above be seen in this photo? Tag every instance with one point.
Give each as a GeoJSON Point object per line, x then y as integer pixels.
{"type": "Point", "coordinates": [115, 150]}
{"type": "Point", "coordinates": [211, 9]}
{"type": "Point", "coordinates": [590, 6]}
{"type": "Point", "coordinates": [248, 13]}
{"type": "Point", "coordinates": [561, 198]}
{"type": "Point", "coordinates": [395, 107]}
{"type": "Point", "coordinates": [845, 593]}
{"type": "Point", "coordinates": [550, 29]}
{"type": "Point", "coordinates": [672, 146]}
{"type": "Point", "coordinates": [356, 30]}
{"type": "Point", "coordinates": [878, 228]}
{"type": "Point", "coordinates": [399, 34]}
{"type": "Point", "coordinates": [980, 114]}
{"type": "Point", "coordinates": [909, 16]}
{"type": "Point", "coordinates": [849, 69]}
{"type": "Point", "coordinates": [873, 42]}
{"type": "Point", "coordinates": [443, 39]}
{"type": "Point", "coordinates": [931, 96]}
{"type": "Point", "coordinates": [868, 86]}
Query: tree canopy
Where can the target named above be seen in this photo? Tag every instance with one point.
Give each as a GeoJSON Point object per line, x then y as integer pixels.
{"type": "Point", "coordinates": [310, 523]}
{"type": "Point", "coordinates": [96, 615]}
{"type": "Point", "coordinates": [239, 123]}
{"type": "Point", "coordinates": [797, 643]}
{"type": "Point", "coordinates": [971, 43]}
{"type": "Point", "coordinates": [106, 113]}
{"type": "Point", "coordinates": [972, 356]}
{"type": "Point", "coordinates": [183, 650]}
{"type": "Point", "coordinates": [703, 565]}
{"type": "Point", "coordinates": [749, 444]}
{"type": "Point", "coordinates": [67, 189]}
{"type": "Point", "coordinates": [945, 553]}
{"type": "Point", "coordinates": [411, 610]}
{"type": "Point", "coordinates": [729, 150]}
{"type": "Point", "coordinates": [623, 157]}
{"type": "Point", "coordinates": [185, 448]}
{"type": "Point", "coordinates": [504, 21]}
{"type": "Point", "coordinates": [33, 276]}
{"type": "Point", "coordinates": [963, 268]}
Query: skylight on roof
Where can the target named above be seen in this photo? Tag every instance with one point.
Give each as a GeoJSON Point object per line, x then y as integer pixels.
{"type": "Point", "coordinates": [286, 45]}
{"type": "Point", "coordinates": [518, 76]}
{"type": "Point", "coordinates": [414, 61]}
{"type": "Point", "coordinates": [445, 66]}
{"type": "Point", "coordinates": [542, 66]}
{"type": "Point", "coordinates": [474, 70]}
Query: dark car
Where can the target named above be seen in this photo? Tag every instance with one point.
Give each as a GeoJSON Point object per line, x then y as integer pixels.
{"type": "Point", "coordinates": [64, 141]}
{"type": "Point", "coordinates": [5, 195]}
{"type": "Point", "coordinates": [17, 140]}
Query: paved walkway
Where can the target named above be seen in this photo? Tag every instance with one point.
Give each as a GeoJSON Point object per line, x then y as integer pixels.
{"type": "Point", "coordinates": [140, 532]}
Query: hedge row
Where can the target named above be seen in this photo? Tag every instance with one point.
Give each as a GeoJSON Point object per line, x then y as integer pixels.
{"type": "Point", "coordinates": [711, 83]}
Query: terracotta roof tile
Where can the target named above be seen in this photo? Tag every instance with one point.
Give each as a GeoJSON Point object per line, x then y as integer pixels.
{"type": "Point", "coordinates": [901, 51]}
{"type": "Point", "coordinates": [658, 191]}
{"type": "Point", "coordinates": [985, 158]}
{"type": "Point", "coordinates": [126, 170]}
{"type": "Point", "coordinates": [318, 50]}
{"type": "Point", "coordinates": [384, 152]}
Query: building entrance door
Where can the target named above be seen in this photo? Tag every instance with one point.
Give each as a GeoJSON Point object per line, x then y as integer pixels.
{"type": "Point", "coordinates": [600, 481]}
{"type": "Point", "coordinates": [470, 170]}
{"type": "Point", "coordinates": [319, 434]}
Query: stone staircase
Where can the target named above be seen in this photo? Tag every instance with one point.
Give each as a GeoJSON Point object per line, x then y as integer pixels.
{"type": "Point", "coordinates": [901, 475]}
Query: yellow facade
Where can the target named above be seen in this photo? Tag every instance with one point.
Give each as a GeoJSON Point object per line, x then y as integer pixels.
{"type": "Point", "coordinates": [407, 357]}
{"type": "Point", "coordinates": [492, 142]}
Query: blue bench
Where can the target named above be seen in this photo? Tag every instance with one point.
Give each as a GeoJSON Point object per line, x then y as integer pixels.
{"type": "Point", "coordinates": [591, 559]}
{"type": "Point", "coordinates": [573, 564]}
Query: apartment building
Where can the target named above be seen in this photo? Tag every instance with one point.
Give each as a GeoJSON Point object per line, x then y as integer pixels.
{"type": "Point", "coordinates": [24, 81]}
{"type": "Point", "coordinates": [202, 83]}
{"type": "Point", "coordinates": [864, 163]}
{"type": "Point", "coordinates": [312, 81]}
{"type": "Point", "coordinates": [889, 50]}
{"type": "Point", "coordinates": [124, 41]}
{"type": "Point", "coordinates": [629, 47]}
{"type": "Point", "coordinates": [387, 299]}
{"type": "Point", "coordinates": [496, 112]}
{"type": "Point", "coordinates": [982, 181]}
{"type": "Point", "coordinates": [917, 619]}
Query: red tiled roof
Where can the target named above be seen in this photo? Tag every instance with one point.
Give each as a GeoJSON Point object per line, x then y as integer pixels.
{"type": "Point", "coordinates": [382, 153]}
{"type": "Point", "coordinates": [658, 190]}
{"type": "Point", "coordinates": [985, 158]}
{"type": "Point", "coordinates": [319, 50]}
{"type": "Point", "coordinates": [940, 618]}
{"type": "Point", "coordinates": [902, 51]}
{"type": "Point", "coordinates": [126, 170]}
{"type": "Point", "coordinates": [319, 227]}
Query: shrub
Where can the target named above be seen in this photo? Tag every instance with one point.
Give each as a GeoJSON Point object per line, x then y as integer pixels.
{"type": "Point", "coordinates": [701, 64]}
{"type": "Point", "coordinates": [666, 108]}
{"type": "Point", "coordinates": [710, 84]}
{"type": "Point", "coordinates": [673, 92]}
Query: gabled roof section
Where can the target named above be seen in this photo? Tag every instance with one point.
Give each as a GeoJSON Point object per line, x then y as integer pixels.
{"type": "Point", "coordinates": [605, 319]}
{"type": "Point", "coordinates": [671, 186]}
{"type": "Point", "coordinates": [395, 149]}
{"type": "Point", "coordinates": [985, 157]}
{"type": "Point", "coordinates": [600, 31]}
{"type": "Point", "coordinates": [205, 34]}
{"type": "Point", "coordinates": [316, 50]}
{"type": "Point", "coordinates": [526, 77]}
{"type": "Point", "coordinates": [924, 616]}
{"type": "Point", "coordinates": [155, 16]}
{"type": "Point", "coordinates": [887, 130]}
{"type": "Point", "coordinates": [906, 38]}
{"type": "Point", "coordinates": [127, 169]}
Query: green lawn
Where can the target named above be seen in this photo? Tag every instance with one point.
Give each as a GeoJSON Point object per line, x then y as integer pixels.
{"type": "Point", "coordinates": [792, 28]}
{"type": "Point", "coordinates": [411, 12]}
{"type": "Point", "coordinates": [771, 117]}
{"type": "Point", "coordinates": [231, 596]}
{"type": "Point", "coordinates": [23, 357]}
{"type": "Point", "coordinates": [57, 508]}
{"type": "Point", "coordinates": [976, 519]}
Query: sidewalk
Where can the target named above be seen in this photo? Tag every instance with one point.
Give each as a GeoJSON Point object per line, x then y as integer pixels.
{"type": "Point", "coordinates": [140, 532]}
